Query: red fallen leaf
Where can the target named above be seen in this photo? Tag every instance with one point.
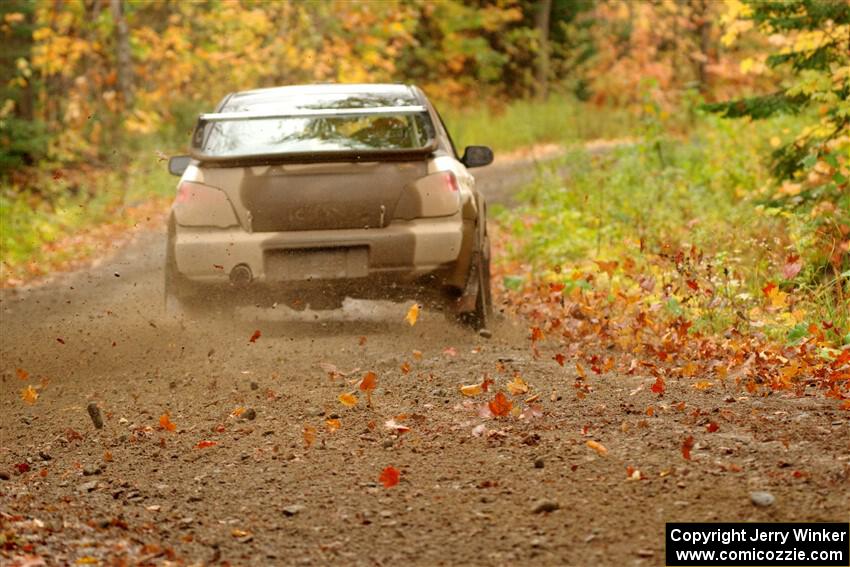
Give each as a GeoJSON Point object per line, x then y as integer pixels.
{"type": "Point", "coordinates": [485, 384]}
{"type": "Point", "coordinates": [500, 406]}
{"type": "Point", "coordinates": [389, 477]}
{"type": "Point", "coordinates": [658, 387]}
{"type": "Point", "coordinates": [799, 474]}
{"type": "Point", "coordinates": [692, 284]}
{"type": "Point", "coordinates": [768, 288]}
{"type": "Point", "coordinates": [687, 445]}
{"type": "Point", "coordinates": [22, 374]}
{"type": "Point", "coordinates": [362, 340]}
{"type": "Point", "coordinates": [712, 427]}
{"type": "Point", "coordinates": [204, 444]}
{"type": "Point", "coordinates": [22, 468]}
{"type": "Point", "coordinates": [257, 334]}
{"type": "Point", "coordinates": [559, 358]}
{"type": "Point", "coordinates": [536, 334]}
{"type": "Point", "coordinates": [71, 435]}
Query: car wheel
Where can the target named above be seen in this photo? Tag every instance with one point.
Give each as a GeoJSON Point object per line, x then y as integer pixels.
{"type": "Point", "coordinates": [479, 284]}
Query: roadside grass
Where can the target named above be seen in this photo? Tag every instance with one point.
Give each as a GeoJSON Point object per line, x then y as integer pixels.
{"type": "Point", "coordinates": [66, 215]}
{"type": "Point", "coordinates": [524, 123]}
{"type": "Point", "coordinates": [682, 225]}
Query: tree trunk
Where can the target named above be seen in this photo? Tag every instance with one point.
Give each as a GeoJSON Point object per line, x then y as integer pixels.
{"type": "Point", "coordinates": [122, 52]}
{"type": "Point", "coordinates": [704, 31]}
{"type": "Point", "coordinates": [544, 10]}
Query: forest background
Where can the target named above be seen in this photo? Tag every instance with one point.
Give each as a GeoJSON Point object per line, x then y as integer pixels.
{"type": "Point", "coordinates": [725, 202]}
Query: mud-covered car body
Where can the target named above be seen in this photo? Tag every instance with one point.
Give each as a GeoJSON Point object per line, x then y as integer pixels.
{"type": "Point", "coordinates": [307, 194]}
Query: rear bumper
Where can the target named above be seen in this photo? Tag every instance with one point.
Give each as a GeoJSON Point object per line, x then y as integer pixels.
{"type": "Point", "coordinates": [405, 250]}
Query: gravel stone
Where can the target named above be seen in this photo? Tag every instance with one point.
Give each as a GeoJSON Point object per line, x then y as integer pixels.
{"type": "Point", "coordinates": [762, 499]}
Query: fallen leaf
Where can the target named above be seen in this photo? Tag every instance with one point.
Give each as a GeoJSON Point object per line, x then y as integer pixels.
{"type": "Point", "coordinates": [536, 334]}
{"type": "Point", "coordinates": [658, 387]}
{"type": "Point", "coordinates": [362, 340]}
{"type": "Point", "coordinates": [257, 334]}
{"type": "Point", "coordinates": [471, 390]}
{"type": "Point", "coordinates": [389, 477]}
{"type": "Point", "coordinates": [165, 423]}
{"type": "Point", "coordinates": [29, 394]}
{"type": "Point", "coordinates": [22, 374]}
{"type": "Point", "coordinates": [348, 400]}
{"type": "Point", "coordinates": [792, 267]}
{"type": "Point", "coordinates": [559, 358]}
{"type": "Point", "coordinates": [309, 434]}
{"type": "Point", "coordinates": [412, 314]}
{"type": "Point", "coordinates": [237, 412]}
{"type": "Point", "coordinates": [204, 444]}
{"type": "Point", "coordinates": [650, 411]}
{"type": "Point", "coordinates": [332, 424]}
{"type": "Point", "coordinates": [417, 354]}
{"type": "Point", "coordinates": [598, 447]}
{"type": "Point", "coordinates": [239, 533]}
{"type": "Point", "coordinates": [368, 382]}
{"type": "Point", "coordinates": [395, 426]}
{"type": "Point", "coordinates": [712, 427]}
{"type": "Point", "coordinates": [517, 386]}
{"type": "Point", "coordinates": [703, 385]}
{"type": "Point", "coordinates": [500, 406]}
{"type": "Point", "coordinates": [405, 367]}
{"type": "Point", "coordinates": [450, 351]}
{"type": "Point", "coordinates": [687, 445]}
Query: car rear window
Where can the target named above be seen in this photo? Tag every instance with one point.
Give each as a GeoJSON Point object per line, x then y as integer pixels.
{"type": "Point", "coordinates": [347, 123]}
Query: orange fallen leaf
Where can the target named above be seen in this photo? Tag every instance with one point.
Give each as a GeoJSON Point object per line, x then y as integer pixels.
{"type": "Point", "coordinates": [22, 374]}
{"type": "Point", "coordinates": [348, 400]}
{"type": "Point", "coordinates": [471, 390]}
{"type": "Point", "coordinates": [107, 457]}
{"type": "Point", "coordinates": [389, 477]}
{"type": "Point", "coordinates": [417, 354]}
{"type": "Point", "coordinates": [412, 314]}
{"type": "Point", "coordinates": [362, 340]}
{"type": "Point", "coordinates": [703, 385]}
{"type": "Point", "coordinates": [650, 411]}
{"type": "Point", "coordinates": [235, 532]}
{"type": "Point", "coordinates": [405, 367]}
{"type": "Point", "coordinates": [598, 447]}
{"type": "Point", "coordinates": [309, 435]}
{"type": "Point", "coordinates": [687, 445]}
{"type": "Point", "coordinates": [332, 424]}
{"type": "Point", "coordinates": [536, 334]}
{"type": "Point", "coordinates": [257, 334]}
{"type": "Point", "coordinates": [845, 405]}
{"type": "Point", "coordinates": [204, 444]}
{"type": "Point", "coordinates": [165, 423]}
{"type": "Point", "coordinates": [368, 382]}
{"type": "Point", "coordinates": [559, 358]}
{"type": "Point", "coordinates": [237, 412]}
{"type": "Point", "coordinates": [500, 406]}
{"type": "Point", "coordinates": [29, 394]}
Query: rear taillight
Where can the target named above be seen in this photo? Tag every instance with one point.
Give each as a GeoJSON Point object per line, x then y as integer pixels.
{"type": "Point", "coordinates": [201, 205]}
{"type": "Point", "coordinates": [451, 181]}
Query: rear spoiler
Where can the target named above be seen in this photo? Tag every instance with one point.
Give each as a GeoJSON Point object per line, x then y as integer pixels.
{"type": "Point", "coordinates": [403, 154]}
{"type": "Point", "coordinates": [313, 113]}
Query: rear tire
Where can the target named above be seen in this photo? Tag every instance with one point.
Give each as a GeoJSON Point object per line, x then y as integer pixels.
{"type": "Point", "coordinates": [479, 276]}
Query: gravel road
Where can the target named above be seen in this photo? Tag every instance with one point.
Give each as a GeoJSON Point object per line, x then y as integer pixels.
{"type": "Point", "coordinates": [265, 466]}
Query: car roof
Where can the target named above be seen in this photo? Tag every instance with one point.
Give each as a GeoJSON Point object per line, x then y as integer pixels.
{"type": "Point", "coordinates": [402, 93]}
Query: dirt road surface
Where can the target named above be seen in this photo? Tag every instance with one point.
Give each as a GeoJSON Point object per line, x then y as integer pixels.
{"type": "Point", "coordinates": [255, 473]}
